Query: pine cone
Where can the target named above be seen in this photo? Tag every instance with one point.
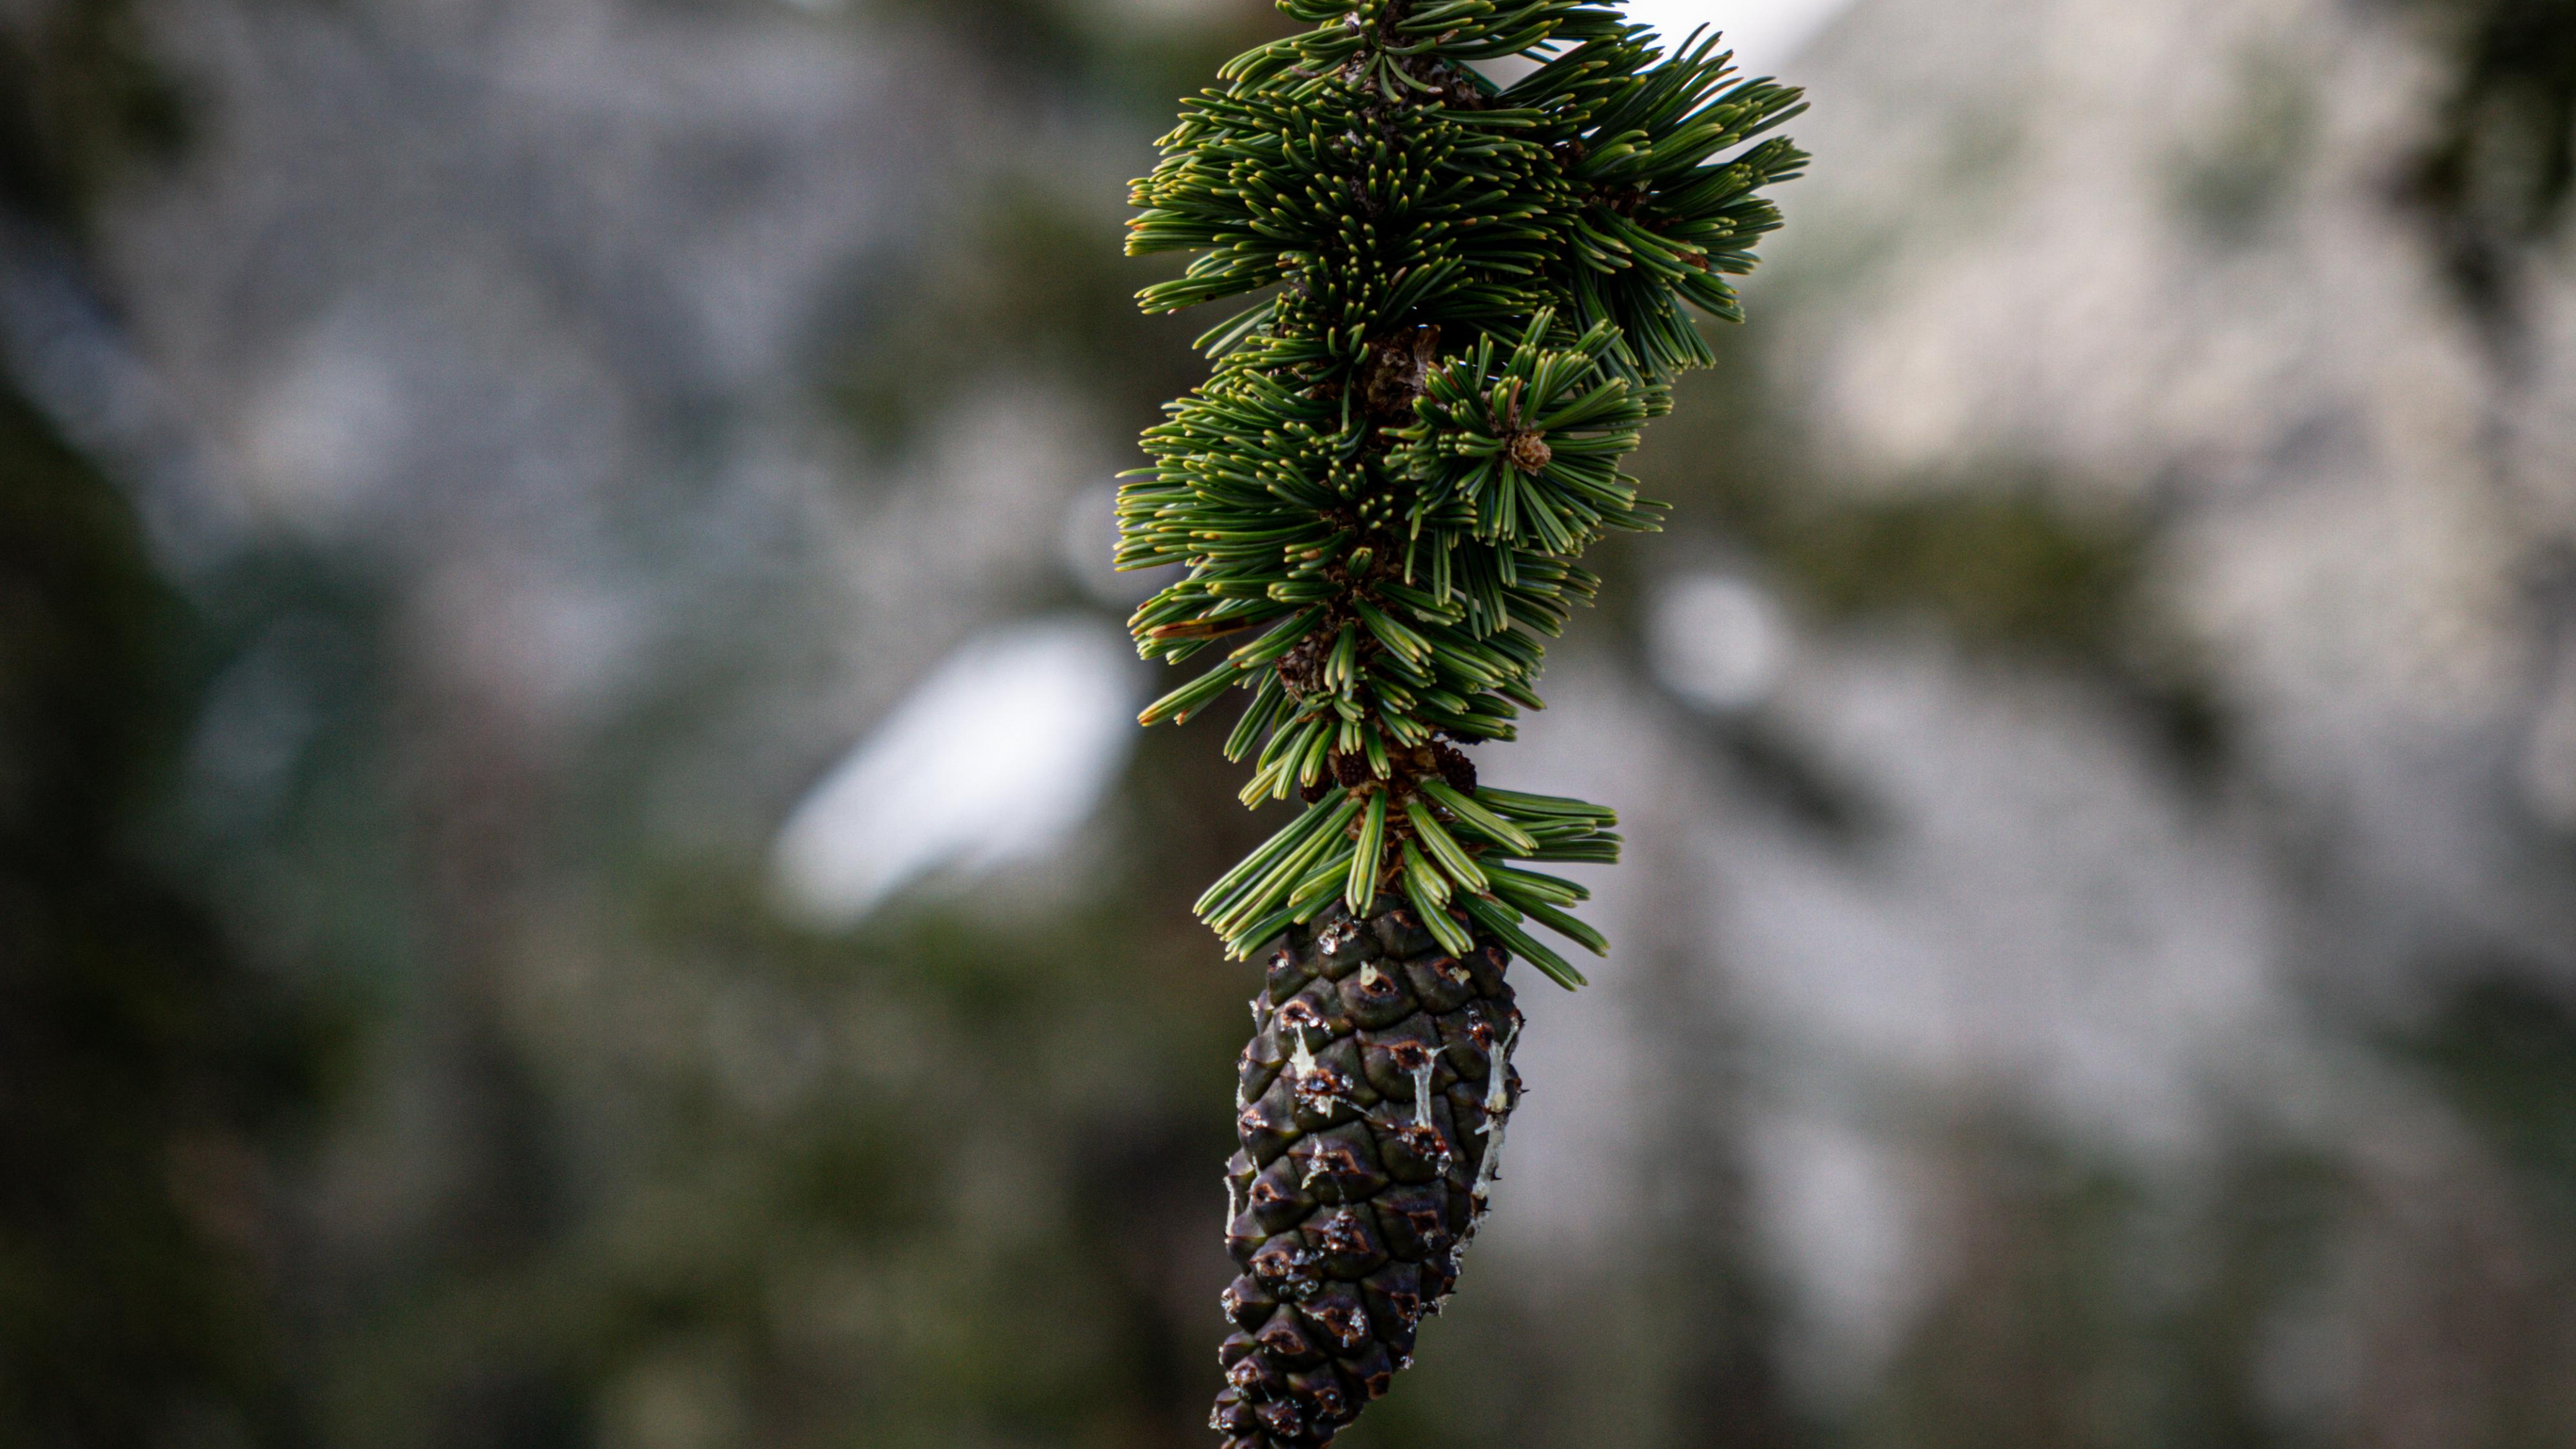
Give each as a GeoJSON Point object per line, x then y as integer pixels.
{"type": "Point", "coordinates": [1373, 1098]}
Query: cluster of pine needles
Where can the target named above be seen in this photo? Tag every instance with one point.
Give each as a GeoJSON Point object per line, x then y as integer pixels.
{"type": "Point", "coordinates": [1467, 298]}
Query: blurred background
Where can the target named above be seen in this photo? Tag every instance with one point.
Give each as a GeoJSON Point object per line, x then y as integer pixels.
{"type": "Point", "coordinates": [574, 869]}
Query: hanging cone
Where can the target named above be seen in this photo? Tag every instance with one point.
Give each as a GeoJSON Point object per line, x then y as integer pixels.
{"type": "Point", "coordinates": [1373, 1099]}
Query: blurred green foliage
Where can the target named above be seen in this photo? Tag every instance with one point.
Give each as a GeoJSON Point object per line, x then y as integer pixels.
{"type": "Point", "coordinates": [1998, 562]}
{"type": "Point", "coordinates": [1997, 567]}
{"type": "Point", "coordinates": [81, 101]}
{"type": "Point", "coordinates": [143, 1069]}
{"type": "Point", "coordinates": [2494, 178]}
{"type": "Point", "coordinates": [2093, 1308]}
{"type": "Point", "coordinates": [2244, 171]}
{"type": "Point", "coordinates": [2003, 561]}
{"type": "Point", "coordinates": [2504, 1050]}
{"type": "Point", "coordinates": [900, 1202]}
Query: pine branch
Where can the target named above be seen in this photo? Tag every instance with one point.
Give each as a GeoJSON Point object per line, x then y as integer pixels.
{"type": "Point", "coordinates": [1476, 297]}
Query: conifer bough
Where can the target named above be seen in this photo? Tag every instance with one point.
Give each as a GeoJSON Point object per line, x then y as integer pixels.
{"type": "Point", "coordinates": [1464, 300]}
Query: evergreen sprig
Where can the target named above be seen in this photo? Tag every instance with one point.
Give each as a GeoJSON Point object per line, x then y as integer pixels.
{"type": "Point", "coordinates": [1475, 297]}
